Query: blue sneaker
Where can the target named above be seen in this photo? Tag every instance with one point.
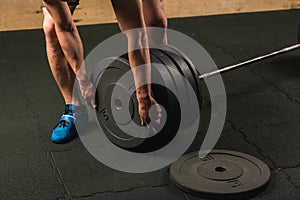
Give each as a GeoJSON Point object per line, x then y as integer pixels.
{"type": "Point", "coordinates": [65, 130]}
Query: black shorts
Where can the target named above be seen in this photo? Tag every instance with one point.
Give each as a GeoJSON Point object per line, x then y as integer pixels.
{"type": "Point", "coordinates": [70, 3]}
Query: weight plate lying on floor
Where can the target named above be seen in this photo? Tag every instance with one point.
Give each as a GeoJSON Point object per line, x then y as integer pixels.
{"type": "Point", "coordinates": [221, 174]}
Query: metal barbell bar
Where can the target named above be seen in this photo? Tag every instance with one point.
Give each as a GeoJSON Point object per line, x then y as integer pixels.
{"type": "Point", "coordinates": [250, 61]}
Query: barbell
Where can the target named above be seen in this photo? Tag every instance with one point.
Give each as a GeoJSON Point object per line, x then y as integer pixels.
{"type": "Point", "coordinates": [109, 105]}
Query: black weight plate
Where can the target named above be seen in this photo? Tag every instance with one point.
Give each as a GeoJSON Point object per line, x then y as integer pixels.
{"type": "Point", "coordinates": [165, 97]}
{"type": "Point", "coordinates": [220, 175]}
{"type": "Point", "coordinates": [162, 95]}
{"type": "Point", "coordinates": [106, 84]}
{"type": "Point", "coordinates": [182, 67]}
{"type": "Point", "coordinates": [194, 74]}
{"type": "Point", "coordinates": [179, 82]}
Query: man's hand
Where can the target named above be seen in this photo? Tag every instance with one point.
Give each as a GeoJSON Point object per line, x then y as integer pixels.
{"type": "Point", "coordinates": [148, 115]}
{"type": "Point", "coordinates": [88, 92]}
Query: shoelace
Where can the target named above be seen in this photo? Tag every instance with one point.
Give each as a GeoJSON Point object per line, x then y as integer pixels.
{"type": "Point", "coordinates": [62, 124]}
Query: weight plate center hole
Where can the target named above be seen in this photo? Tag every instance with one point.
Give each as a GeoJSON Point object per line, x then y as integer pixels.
{"type": "Point", "coordinates": [220, 169]}
{"type": "Point", "coordinates": [118, 104]}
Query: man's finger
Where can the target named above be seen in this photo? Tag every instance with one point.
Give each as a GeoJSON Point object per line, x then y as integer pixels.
{"type": "Point", "coordinates": [93, 102]}
{"type": "Point", "coordinates": [152, 129]}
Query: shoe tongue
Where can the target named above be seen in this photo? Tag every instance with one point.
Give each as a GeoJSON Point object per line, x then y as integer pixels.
{"type": "Point", "coordinates": [69, 109]}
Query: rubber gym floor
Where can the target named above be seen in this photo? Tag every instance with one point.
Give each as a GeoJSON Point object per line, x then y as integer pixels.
{"type": "Point", "coordinates": [262, 118]}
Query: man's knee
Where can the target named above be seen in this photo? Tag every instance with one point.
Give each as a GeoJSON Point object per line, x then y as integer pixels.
{"type": "Point", "coordinates": [158, 21]}
{"type": "Point", "coordinates": [65, 26]}
{"type": "Point", "coordinates": [49, 28]}
{"type": "Point", "coordinates": [162, 22]}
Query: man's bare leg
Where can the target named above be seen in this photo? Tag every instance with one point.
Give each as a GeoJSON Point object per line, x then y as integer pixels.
{"type": "Point", "coordinates": [65, 55]}
{"type": "Point", "coordinates": [71, 44]}
{"type": "Point", "coordinates": [62, 72]}
{"type": "Point", "coordinates": [154, 16]}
